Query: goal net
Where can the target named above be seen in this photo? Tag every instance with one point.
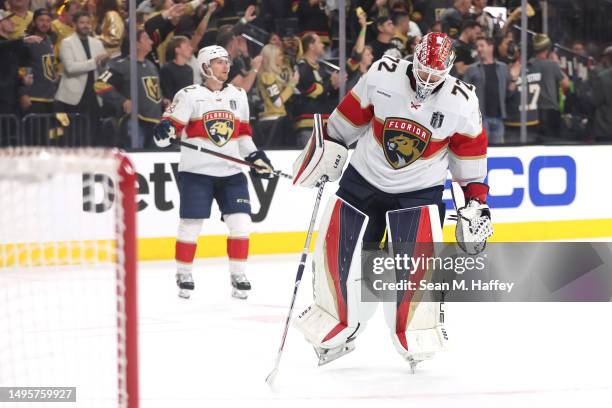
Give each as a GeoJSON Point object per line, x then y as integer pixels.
{"type": "Point", "coordinates": [68, 273]}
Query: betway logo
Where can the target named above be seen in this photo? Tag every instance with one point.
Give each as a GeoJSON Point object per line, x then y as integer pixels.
{"type": "Point", "coordinates": [99, 191]}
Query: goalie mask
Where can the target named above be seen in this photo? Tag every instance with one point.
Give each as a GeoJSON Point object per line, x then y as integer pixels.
{"type": "Point", "coordinates": [433, 60]}
{"type": "Point", "coordinates": [206, 55]}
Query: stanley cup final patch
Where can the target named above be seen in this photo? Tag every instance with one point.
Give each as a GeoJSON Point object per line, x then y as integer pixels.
{"type": "Point", "coordinates": [436, 120]}
{"type": "Point", "coordinates": [219, 126]}
{"type": "Point", "coordinates": [404, 141]}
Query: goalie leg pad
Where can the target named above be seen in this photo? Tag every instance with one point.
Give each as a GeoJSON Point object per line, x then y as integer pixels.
{"type": "Point", "coordinates": [415, 322]}
{"type": "Point", "coordinates": [337, 314]}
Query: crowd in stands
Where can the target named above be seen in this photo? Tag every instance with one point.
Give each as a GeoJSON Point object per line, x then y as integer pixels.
{"type": "Point", "coordinates": [69, 59]}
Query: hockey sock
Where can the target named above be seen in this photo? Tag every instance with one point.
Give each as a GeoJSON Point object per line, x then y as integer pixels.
{"type": "Point", "coordinates": [186, 243]}
{"type": "Point", "coordinates": [238, 241]}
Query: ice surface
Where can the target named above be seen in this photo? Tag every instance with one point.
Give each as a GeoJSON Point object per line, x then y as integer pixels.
{"type": "Point", "coordinates": [215, 351]}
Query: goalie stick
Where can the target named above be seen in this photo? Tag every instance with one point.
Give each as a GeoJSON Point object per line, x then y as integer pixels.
{"type": "Point", "coordinates": [278, 173]}
{"type": "Point", "coordinates": [298, 279]}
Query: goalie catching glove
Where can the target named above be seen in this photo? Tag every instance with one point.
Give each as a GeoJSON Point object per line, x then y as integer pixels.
{"type": "Point", "coordinates": [474, 218]}
{"type": "Point", "coordinates": [260, 159]}
{"type": "Point", "coordinates": [163, 132]}
{"type": "Point", "coordinates": [322, 156]}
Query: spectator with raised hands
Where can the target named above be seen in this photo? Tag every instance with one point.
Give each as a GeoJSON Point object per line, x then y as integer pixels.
{"type": "Point", "coordinates": [244, 70]}
{"type": "Point", "coordinates": [361, 57]}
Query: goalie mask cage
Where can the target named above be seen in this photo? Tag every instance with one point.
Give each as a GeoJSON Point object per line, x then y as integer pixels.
{"type": "Point", "coordinates": [68, 315]}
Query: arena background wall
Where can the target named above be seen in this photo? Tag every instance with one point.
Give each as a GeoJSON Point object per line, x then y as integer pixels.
{"type": "Point", "coordinates": [537, 193]}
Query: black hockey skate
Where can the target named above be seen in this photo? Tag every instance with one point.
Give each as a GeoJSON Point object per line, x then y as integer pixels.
{"type": "Point", "coordinates": [328, 355]}
{"type": "Point", "coordinates": [240, 286]}
{"type": "Point", "coordinates": [185, 283]}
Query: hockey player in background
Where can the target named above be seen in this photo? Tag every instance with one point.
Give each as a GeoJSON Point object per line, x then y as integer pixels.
{"type": "Point", "coordinates": [412, 122]}
{"type": "Point", "coordinates": [214, 115]}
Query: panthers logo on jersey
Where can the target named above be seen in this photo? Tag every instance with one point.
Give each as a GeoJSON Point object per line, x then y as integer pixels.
{"type": "Point", "coordinates": [404, 141]}
{"type": "Point", "coordinates": [219, 126]}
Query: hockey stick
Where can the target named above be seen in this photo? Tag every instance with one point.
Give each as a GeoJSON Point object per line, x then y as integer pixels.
{"type": "Point", "coordinates": [298, 279]}
{"type": "Point", "coordinates": [278, 173]}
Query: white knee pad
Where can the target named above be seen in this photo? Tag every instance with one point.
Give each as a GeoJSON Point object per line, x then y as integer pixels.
{"type": "Point", "coordinates": [416, 323]}
{"type": "Point", "coordinates": [189, 229]}
{"type": "Point", "coordinates": [239, 224]}
{"type": "Point", "coordinates": [337, 313]}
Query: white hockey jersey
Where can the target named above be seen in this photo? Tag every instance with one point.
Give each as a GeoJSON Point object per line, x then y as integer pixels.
{"type": "Point", "coordinates": [403, 146]}
{"type": "Point", "coordinates": [215, 120]}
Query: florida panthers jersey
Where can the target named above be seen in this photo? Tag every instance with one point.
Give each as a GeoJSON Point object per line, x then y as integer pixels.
{"type": "Point", "coordinates": [215, 120]}
{"type": "Point", "coordinates": [403, 145]}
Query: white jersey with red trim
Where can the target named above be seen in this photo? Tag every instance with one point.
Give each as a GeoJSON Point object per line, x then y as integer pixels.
{"type": "Point", "coordinates": [404, 146]}
{"type": "Point", "coordinates": [215, 120]}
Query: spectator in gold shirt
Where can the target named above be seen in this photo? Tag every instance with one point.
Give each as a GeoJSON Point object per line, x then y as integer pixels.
{"type": "Point", "coordinates": [109, 26]}
{"type": "Point", "coordinates": [21, 18]}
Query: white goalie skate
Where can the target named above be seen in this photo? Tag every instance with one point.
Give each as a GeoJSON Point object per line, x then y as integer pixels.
{"type": "Point", "coordinates": [184, 281]}
{"type": "Point", "coordinates": [328, 355]}
{"type": "Point", "coordinates": [240, 286]}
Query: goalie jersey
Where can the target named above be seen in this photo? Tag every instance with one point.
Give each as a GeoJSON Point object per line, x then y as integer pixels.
{"type": "Point", "coordinates": [405, 146]}
{"type": "Point", "coordinates": [215, 120]}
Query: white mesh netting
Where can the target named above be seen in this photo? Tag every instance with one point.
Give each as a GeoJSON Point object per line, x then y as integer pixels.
{"type": "Point", "coordinates": [62, 273]}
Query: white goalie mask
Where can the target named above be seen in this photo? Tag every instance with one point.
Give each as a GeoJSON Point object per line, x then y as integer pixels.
{"type": "Point", "coordinates": [206, 55]}
{"type": "Point", "coordinates": [433, 60]}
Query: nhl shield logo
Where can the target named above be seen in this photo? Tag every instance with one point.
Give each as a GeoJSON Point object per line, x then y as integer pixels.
{"type": "Point", "coordinates": [219, 126]}
{"type": "Point", "coordinates": [233, 104]}
{"type": "Point", "coordinates": [404, 141]}
{"type": "Point", "coordinates": [436, 120]}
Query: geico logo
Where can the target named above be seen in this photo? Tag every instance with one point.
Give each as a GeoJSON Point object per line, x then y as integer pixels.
{"type": "Point", "coordinates": [153, 189]}
{"type": "Point", "coordinates": [526, 180]}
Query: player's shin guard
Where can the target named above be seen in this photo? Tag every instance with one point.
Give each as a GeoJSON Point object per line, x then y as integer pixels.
{"type": "Point", "coordinates": [416, 321]}
{"type": "Point", "coordinates": [337, 315]}
{"type": "Point", "coordinates": [238, 251]}
{"type": "Point", "coordinates": [186, 243]}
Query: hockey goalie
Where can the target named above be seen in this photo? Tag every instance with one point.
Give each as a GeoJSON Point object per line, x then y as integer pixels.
{"type": "Point", "coordinates": [412, 123]}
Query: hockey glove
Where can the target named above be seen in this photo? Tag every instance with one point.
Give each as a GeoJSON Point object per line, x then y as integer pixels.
{"type": "Point", "coordinates": [474, 218]}
{"type": "Point", "coordinates": [163, 132]}
{"type": "Point", "coordinates": [322, 156]}
{"type": "Point", "coordinates": [260, 159]}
